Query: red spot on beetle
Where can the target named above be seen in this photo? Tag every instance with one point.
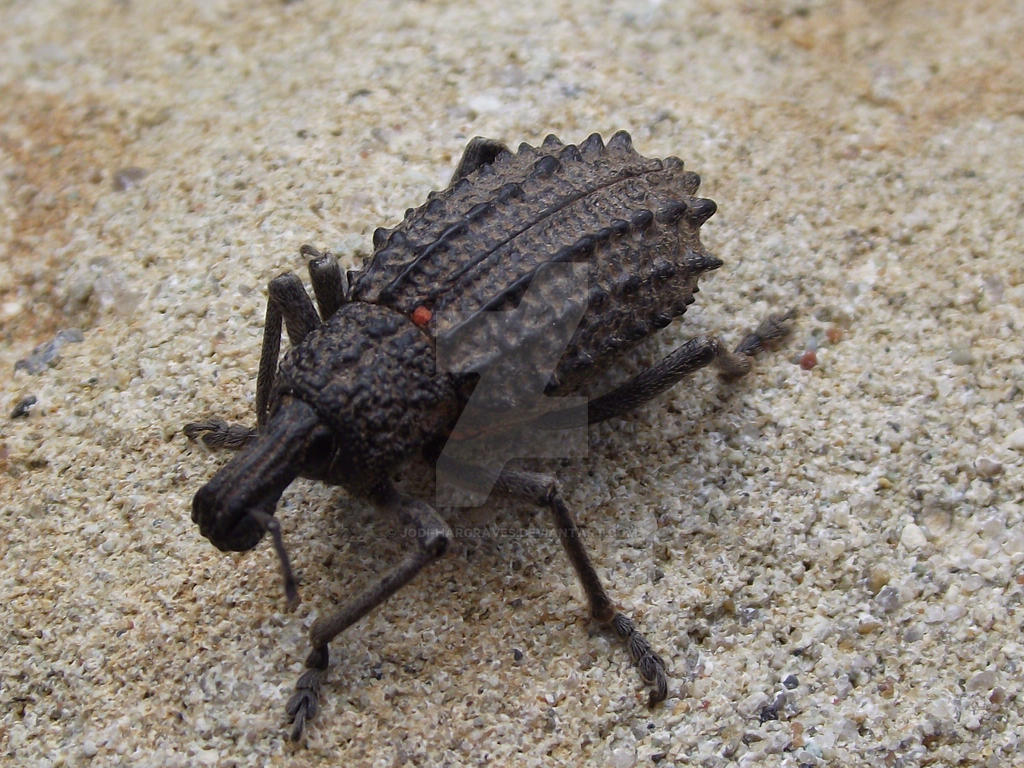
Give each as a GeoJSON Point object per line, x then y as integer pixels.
{"type": "Point", "coordinates": [421, 316]}
{"type": "Point", "coordinates": [808, 359]}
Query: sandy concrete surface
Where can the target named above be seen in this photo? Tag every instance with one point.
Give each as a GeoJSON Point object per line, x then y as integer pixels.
{"type": "Point", "coordinates": [829, 559]}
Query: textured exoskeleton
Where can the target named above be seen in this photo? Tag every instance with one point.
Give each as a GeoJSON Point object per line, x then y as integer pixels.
{"type": "Point", "coordinates": [361, 390]}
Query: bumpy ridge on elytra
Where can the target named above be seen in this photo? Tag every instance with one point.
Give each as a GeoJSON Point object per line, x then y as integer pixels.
{"type": "Point", "coordinates": [477, 245]}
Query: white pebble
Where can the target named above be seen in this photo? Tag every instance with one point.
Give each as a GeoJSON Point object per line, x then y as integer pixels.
{"type": "Point", "coordinates": [1015, 440]}
{"type": "Point", "coordinates": [934, 614]}
{"type": "Point", "coordinates": [912, 537]}
{"type": "Point", "coordinates": [993, 528]}
{"type": "Point", "coordinates": [752, 704]}
{"type": "Point", "coordinates": [986, 467]}
{"type": "Point", "coordinates": [208, 756]}
{"type": "Point", "coordinates": [982, 681]}
{"type": "Point", "coordinates": [623, 757]}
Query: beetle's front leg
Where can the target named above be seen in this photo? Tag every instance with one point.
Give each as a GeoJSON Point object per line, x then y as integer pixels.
{"type": "Point", "coordinates": [432, 537]}
{"type": "Point", "coordinates": [542, 489]}
{"type": "Point", "coordinates": [288, 302]}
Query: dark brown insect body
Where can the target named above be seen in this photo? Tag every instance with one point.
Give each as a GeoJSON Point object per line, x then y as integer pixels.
{"type": "Point", "coordinates": [361, 390]}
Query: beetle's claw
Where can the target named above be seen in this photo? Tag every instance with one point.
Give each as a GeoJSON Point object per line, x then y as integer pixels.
{"type": "Point", "coordinates": [652, 670]}
{"type": "Point", "coordinates": [298, 722]}
{"type": "Point", "coordinates": [304, 703]}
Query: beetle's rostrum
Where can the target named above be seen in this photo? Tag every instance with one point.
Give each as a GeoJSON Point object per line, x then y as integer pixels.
{"type": "Point", "coordinates": [361, 392]}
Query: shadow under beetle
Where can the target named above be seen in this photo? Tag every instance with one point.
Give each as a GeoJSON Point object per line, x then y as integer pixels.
{"type": "Point", "coordinates": [360, 390]}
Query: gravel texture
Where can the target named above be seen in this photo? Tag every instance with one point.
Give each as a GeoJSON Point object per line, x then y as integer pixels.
{"type": "Point", "coordinates": [828, 555]}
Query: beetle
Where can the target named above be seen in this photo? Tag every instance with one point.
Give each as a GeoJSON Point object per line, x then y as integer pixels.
{"type": "Point", "coordinates": [362, 391]}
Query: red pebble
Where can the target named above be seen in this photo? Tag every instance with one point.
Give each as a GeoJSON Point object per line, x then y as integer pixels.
{"type": "Point", "coordinates": [808, 359]}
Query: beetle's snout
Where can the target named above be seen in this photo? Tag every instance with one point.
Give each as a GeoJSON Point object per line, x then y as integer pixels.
{"type": "Point", "coordinates": [234, 509]}
{"type": "Point", "coordinates": [225, 521]}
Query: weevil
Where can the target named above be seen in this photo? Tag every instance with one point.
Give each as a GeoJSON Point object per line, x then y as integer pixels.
{"type": "Point", "coordinates": [361, 390]}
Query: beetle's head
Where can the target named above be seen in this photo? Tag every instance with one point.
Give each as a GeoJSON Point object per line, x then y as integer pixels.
{"type": "Point", "coordinates": [236, 507]}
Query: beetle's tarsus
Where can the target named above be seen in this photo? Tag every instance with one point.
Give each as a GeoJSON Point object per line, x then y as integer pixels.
{"type": "Point", "coordinates": [771, 328]}
{"type": "Point", "coordinates": [217, 433]}
{"type": "Point", "coordinates": [733, 365]}
{"type": "Point", "coordinates": [648, 663]}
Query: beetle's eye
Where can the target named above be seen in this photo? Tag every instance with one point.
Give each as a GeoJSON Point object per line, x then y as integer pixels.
{"type": "Point", "coordinates": [320, 447]}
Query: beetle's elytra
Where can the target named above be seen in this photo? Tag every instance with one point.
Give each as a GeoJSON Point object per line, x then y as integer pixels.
{"type": "Point", "coordinates": [361, 390]}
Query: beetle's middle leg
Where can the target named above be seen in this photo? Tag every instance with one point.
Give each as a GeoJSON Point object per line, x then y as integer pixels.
{"type": "Point", "coordinates": [330, 286]}
{"type": "Point", "coordinates": [432, 537]}
{"type": "Point", "coordinates": [543, 490]}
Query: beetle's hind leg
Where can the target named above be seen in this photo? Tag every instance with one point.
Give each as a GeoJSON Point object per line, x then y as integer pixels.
{"type": "Point", "coordinates": [543, 490]}
{"type": "Point", "coordinates": [682, 361]}
{"type": "Point", "coordinates": [289, 303]}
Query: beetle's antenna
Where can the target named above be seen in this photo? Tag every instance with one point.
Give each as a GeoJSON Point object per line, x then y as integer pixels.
{"type": "Point", "coordinates": [273, 527]}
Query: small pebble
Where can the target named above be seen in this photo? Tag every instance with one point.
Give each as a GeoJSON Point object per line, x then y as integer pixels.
{"type": "Point", "coordinates": [912, 537]}
{"type": "Point", "coordinates": [812, 748]}
{"type": "Point", "coordinates": [961, 356]}
{"type": "Point", "coordinates": [755, 702]}
{"type": "Point", "coordinates": [868, 625]}
{"type": "Point", "coordinates": [993, 528]}
{"type": "Point", "coordinates": [126, 178]}
{"type": "Point", "coordinates": [913, 634]}
{"type": "Point", "coordinates": [46, 353]}
{"type": "Point", "coordinates": [981, 681]}
{"type": "Point", "coordinates": [888, 598]}
{"type": "Point", "coordinates": [1016, 440]}
{"type": "Point", "coordinates": [623, 757]}
{"type": "Point", "coordinates": [987, 468]}
{"type": "Point", "coordinates": [208, 756]}
{"type": "Point", "coordinates": [878, 578]}
{"type": "Point", "coordinates": [791, 681]}
{"type": "Point", "coordinates": [23, 407]}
